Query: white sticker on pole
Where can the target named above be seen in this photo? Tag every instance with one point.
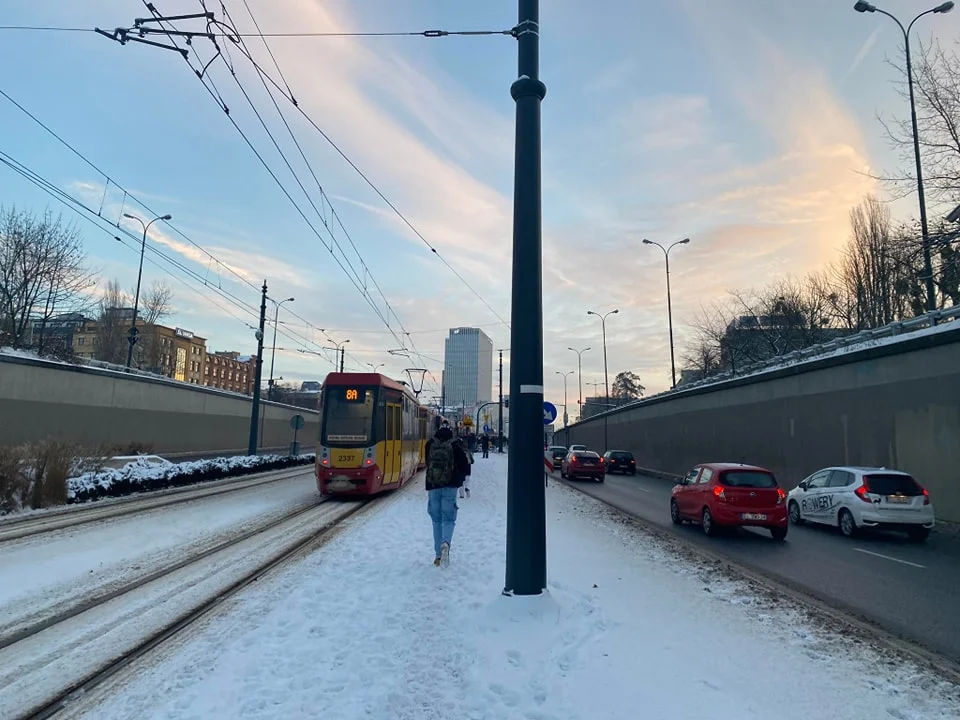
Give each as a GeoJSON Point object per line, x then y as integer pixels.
{"type": "Point", "coordinates": [531, 389]}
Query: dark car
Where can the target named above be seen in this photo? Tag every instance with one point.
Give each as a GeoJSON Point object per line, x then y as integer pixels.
{"type": "Point", "coordinates": [620, 461]}
{"type": "Point", "coordinates": [558, 453]}
{"type": "Point", "coordinates": [717, 495]}
{"type": "Point", "coordinates": [583, 463]}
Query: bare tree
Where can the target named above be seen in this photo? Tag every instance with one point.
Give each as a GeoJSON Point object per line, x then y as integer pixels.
{"type": "Point", "coordinates": [110, 344]}
{"type": "Point", "coordinates": [42, 272]}
{"type": "Point", "coordinates": [881, 268]}
{"type": "Point", "coordinates": [936, 73]}
{"type": "Point", "coordinates": [157, 302]}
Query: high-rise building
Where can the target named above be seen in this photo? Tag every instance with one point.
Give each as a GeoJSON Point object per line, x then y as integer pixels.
{"type": "Point", "coordinates": [467, 367]}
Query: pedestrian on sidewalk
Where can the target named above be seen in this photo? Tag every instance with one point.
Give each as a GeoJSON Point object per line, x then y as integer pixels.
{"type": "Point", "coordinates": [463, 473]}
{"type": "Point", "coordinates": [485, 445]}
{"type": "Point", "coordinates": [445, 462]}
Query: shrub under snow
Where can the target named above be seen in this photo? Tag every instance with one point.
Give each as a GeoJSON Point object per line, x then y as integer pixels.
{"type": "Point", "coordinates": [145, 477]}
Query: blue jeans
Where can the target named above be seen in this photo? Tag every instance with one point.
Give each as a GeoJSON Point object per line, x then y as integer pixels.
{"type": "Point", "coordinates": [442, 508]}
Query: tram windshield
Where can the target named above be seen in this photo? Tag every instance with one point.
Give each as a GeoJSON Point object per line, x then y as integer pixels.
{"type": "Point", "coordinates": [348, 416]}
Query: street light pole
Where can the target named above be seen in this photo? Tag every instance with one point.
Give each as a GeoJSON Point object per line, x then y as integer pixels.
{"type": "Point", "coordinates": [946, 7]}
{"type": "Point", "coordinates": [603, 324]}
{"type": "Point", "coordinates": [580, 380]}
{"type": "Point", "coordinates": [342, 351]}
{"type": "Point", "coordinates": [666, 255]}
{"type": "Point", "coordinates": [526, 562]}
{"type": "Point", "coordinates": [378, 365]}
{"type": "Point", "coordinates": [132, 339]}
{"type": "Point", "coordinates": [273, 349]}
{"type": "Point", "coordinates": [569, 372]}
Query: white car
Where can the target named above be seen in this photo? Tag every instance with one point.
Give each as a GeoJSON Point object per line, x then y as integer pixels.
{"type": "Point", "coordinates": [853, 498]}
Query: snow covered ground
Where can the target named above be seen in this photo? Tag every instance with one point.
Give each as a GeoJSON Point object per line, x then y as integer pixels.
{"type": "Point", "coordinates": [369, 628]}
{"type": "Point", "coordinates": [40, 573]}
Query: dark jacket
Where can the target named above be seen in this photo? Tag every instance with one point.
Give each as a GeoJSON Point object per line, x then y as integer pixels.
{"type": "Point", "coordinates": [461, 463]}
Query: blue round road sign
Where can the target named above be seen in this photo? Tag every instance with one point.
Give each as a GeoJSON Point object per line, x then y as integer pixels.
{"type": "Point", "coordinates": [549, 413]}
{"type": "Point", "coordinates": [486, 428]}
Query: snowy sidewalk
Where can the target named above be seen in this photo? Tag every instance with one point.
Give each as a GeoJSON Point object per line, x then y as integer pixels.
{"type": "Point", "coordinates": [369, 628]}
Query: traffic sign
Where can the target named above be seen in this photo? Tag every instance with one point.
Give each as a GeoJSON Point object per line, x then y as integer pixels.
{"type": "Point", "coordinates": [296, 422]}
{"type": "Point", "coordinates": [486, 429]}
{"type": "Point", "coordinates": [549, 413]}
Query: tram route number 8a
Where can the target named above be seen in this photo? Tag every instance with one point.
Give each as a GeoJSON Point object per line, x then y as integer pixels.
{"type": "Point", "coordinates": [353, 395]}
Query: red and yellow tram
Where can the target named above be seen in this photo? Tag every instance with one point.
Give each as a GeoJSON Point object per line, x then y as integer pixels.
{"type": "Point", "coordinates": [372, 434]}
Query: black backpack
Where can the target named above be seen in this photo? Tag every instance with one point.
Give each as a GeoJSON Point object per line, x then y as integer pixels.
{"type": "Point", "coordinates": [440, 466]}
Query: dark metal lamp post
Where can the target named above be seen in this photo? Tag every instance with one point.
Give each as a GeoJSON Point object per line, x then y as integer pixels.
{"type": "Point", "coordinates": [136, 301]}
{"type": "Point", "coordinates": [666, 255]}
{"type": "Point", "coordinates": [946, 7]}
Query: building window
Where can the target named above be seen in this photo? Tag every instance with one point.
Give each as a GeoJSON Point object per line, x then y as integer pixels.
{"type": "Point", "coordinates": [81, 341]}
{"type": "Point", "coordinates": [181, 371]}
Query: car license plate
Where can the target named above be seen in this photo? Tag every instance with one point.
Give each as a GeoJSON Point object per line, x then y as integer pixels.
{"type": "Point", "coordinates": [898, 499]}
{"type": "Point", "coordinates": [753, 516]}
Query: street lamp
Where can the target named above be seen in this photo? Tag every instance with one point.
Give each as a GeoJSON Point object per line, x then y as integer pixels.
{"type": "Point", "coordinates": [946, 7]}
{"type": "Point", "coordinates": [273, 349]}
{"type": "Point", "coordinates": [579, 378]}
{"type": "Point", "coordinates": [375, 367]}
{"type": "Point", "coordinates": [569, 372]}
{"type": "Point", "coordinates": [136, 300]}
{"type": "Point", "coordinates": [342, 351]}
{"type": "Point", "coordinates": [603, 323]}
{"type": "Point", "coordinates": [666, 256]}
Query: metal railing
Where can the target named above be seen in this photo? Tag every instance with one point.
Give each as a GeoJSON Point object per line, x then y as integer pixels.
{"type": "Point", "coordinates": [796, 357]}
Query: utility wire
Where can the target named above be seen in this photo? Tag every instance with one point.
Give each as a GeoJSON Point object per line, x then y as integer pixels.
{"type": "Point", "coordinates": [377, 190]}
{"type": "Point", "coordinates": [416, 33]}
{"type": "Point", "coordinates": [201, 76]}
{"type": "Point", "coordinates": [127, 193]}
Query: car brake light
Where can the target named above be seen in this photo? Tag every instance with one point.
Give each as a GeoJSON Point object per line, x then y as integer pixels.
{"type": "Point", "coordinates": [926, 495]}
{"type": "Point", "coordinates": [632, 462]}
{"type": "Point", "coordinates": [719, 494]}
{"type": "Point", "coordinates": [369, 461]}
{"type": "Point", "coordinates": [861, 492]}
{"type": "Point", "coordinates": [601, 461]}
{"type": "Point", "coordinates": [781, 496]}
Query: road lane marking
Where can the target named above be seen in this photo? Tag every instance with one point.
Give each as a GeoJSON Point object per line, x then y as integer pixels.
{"type": "Point", "coordinates": [887, 557]}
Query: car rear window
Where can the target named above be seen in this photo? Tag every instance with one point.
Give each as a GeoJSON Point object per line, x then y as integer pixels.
{"type": "Point", "coordinates": [586, 454]}
{"type": "Point", "coordinates": [748, 478]}
{"type": "Point", "coordinates": [621, 456]}
{"type": "Point", "coordinates": [891, 484]}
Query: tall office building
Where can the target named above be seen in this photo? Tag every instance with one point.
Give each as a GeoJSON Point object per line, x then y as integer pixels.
{"type": "Point", "coordinates": [467, 367]}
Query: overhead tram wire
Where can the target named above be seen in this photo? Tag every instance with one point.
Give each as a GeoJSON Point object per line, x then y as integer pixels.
{"type": "Point", "coordinates": [379, 193]}
{"type": "Point", "coordinates": [289, 95]}
{"type": "Point", "coordinates": [362, 290]}
{"type": "Point", "coordinates": [370, 34]}
{"type": "Point", "coordinates": [201, 76]}
{"type": "Point", "coordinates": [127, 193]}
{"type": "Point", "coordinates": [91, 216]}
{"type": "Point", "coordinates": [233, 33]}
{"type": "Point", "coordinates": [132, 241]}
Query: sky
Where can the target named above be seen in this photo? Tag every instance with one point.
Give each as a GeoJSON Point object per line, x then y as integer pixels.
{"type": "Point", "coordinates": [750, 128]}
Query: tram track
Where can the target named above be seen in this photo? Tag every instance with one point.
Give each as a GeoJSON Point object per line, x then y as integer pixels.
{"type": "Point", "coordinates": [75, 516]}
{"type": "Point", "coordinates": [69, 653]}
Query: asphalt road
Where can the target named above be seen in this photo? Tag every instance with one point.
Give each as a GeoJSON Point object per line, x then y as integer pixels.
{"type": "Point", "coordinates": [908, 589]}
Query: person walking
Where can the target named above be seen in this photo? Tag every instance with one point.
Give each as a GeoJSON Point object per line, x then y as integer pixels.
{"type": "Point", "coordinates": [446, 463]}
{"type": "Point", "coordinates": [464, 472]}
{"type": "Point", "coordinates": [485, 445]}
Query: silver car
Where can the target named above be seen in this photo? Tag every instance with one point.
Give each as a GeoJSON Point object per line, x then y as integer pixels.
{"type": "Point", "coordinates": [854, 498]}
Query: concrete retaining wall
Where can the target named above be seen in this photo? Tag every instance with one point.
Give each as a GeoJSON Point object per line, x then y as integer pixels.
{"type": "Point", "coordinates": [895, 405]}
{"type": "Point", "coordinates": [40, 399]}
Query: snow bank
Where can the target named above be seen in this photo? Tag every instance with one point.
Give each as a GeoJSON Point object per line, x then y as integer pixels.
{"type": "Point", "coordinates": [367, 627]}
{"type": "Point", "coordinates": [143, 476]}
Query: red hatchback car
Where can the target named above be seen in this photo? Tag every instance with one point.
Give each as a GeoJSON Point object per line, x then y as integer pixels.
{"type": "Point", "coordinates": [583, 463]}
{"type": "Point", "coordinates": [719, 495]}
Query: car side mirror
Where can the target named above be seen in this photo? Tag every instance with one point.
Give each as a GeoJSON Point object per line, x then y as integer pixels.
{"type": "Point", "coordinates": [803, 485]}
{"type": "Point", "coordinates": [682, 481]}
